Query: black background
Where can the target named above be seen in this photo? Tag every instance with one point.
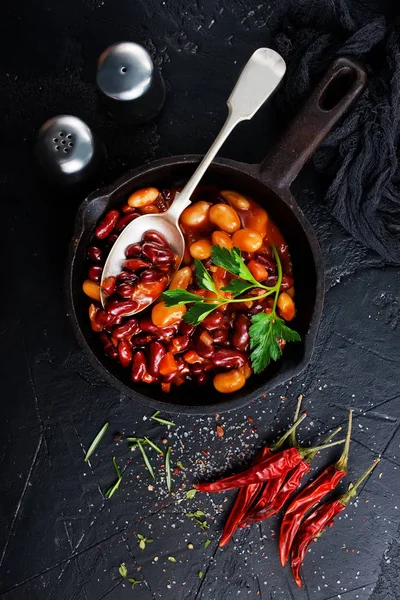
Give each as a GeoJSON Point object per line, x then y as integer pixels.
{"type": "Point", "coordinates": [59, 537]}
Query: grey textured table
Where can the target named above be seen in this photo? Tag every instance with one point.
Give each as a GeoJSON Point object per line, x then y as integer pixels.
{"type": "Point", "coordinates": [59, 537]}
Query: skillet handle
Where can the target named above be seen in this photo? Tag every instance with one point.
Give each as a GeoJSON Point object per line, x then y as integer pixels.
{"type": "Point", "coordinates": [339, 88]}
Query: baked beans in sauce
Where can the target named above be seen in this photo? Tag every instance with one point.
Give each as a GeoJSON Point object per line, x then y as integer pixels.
{"type": "Point", "coordinates": [157, 345]}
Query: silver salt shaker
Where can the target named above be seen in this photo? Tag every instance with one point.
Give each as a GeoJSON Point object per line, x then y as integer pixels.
{"type": "Point", "coordinates": [68, 151]}
{"type": "Point", "coordinates": [132, 87]}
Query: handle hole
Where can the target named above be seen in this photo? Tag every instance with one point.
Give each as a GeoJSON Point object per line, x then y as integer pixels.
{"type": "Point", "coordinates": [337, 89]}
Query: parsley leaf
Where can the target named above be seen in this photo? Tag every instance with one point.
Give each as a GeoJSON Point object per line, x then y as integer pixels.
{"type": "Point", "coordinates": [287, 334]}
{"type": "Point", "coordinates": [232, 261]}
{"type": "Point", "coordinates": [198, 312]}
{"type": "Point", "coordinates": [265, 333]}
{"type": "Point", "coordinates": [178, 296]}
{"type": "Point", "coordinates": [204, 279]}
{"type": "Point", "coordinates": [237, 287]}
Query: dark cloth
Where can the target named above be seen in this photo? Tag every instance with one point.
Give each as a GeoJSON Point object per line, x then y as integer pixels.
{"type": "Point", "coordinates": [362, 154]}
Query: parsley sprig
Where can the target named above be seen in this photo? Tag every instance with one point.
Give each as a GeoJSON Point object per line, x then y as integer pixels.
{"type": "Point", "coordinates": [266, 331]}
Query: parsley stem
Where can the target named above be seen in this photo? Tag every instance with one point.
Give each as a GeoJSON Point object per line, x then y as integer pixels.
{"type": "Point", "coordinates": [252, 298]}
{"type": "Point", "coordinates": [278, 284]}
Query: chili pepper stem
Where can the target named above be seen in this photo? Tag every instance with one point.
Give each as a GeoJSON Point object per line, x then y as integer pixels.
{"type": "Point", "coordinates": [305, 451]}
{"type": "Point", "coordinates": [288, 433]}
{"type": "Point", "coordinates": [352, 492]}
{"type": "Point", "coordinates": [341, 464]}
{"type": "Point", "coordinates": [324, 441]}
{"type": "Point", "coordinates": [292, 437]}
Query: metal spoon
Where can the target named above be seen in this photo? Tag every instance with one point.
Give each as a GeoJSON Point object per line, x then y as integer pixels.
{"type": "Point", "coordinates": [257, 81]}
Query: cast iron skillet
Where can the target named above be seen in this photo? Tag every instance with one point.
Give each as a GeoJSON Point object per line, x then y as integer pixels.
{"type": "Point", "coordinates": [269, 184]}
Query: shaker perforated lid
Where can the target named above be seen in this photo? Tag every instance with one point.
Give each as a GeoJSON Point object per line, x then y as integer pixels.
{"type": "Point", "coordinates": [131, 85]}
{"type": "Point", "coordinates": [67, 149]}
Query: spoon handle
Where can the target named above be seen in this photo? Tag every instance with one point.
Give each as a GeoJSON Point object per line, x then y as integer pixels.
{"type": "Point", "coordinates": [259, 78]}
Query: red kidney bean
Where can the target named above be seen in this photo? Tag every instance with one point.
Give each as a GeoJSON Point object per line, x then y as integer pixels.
{"type": "Point", "coordinates": [258, 306]}
{"type": "Point", "coordinates": [202, 379]}
{"type": "Point", "coordinates": [213, 320]}
{"type": "Point", "coordinates": [94, 254]}
{"type": "Point", "coordinates": [128, 329]}
{"type": "Point", "coordinates": [121, 307]}
{"type": "Point", "coordinates": [266, 260]}
{"type": "Point", "coordinates": [142, 339]}
{"type": "Point", "coordinates": [95, 272]}
{"type": "Point", "coordinates": [157, 255]}
{"type": "Point", "coordinates": [108, 346]}
{"type": "Point", "coordinates": [139, 367]}
{"type": "Point", "coordinates": [241, 337]}
{"type": "Point", "coordinates": [124, 353]}
{"type": "Point", "coordinates": [220, 335]}
{"type": "Point", "coordinates": [108, 285]}
{"type": "Point", "coordinates": [106, 226]}
{"type": "Point", "coordinates": [183, 368]}
{"type": "Point", "coordinates": [237, 307]}
{"type": "Point", "coordinates": [186, 328]}
{"type": "Point", "coordinates": [155, 237]}
{"type": "Point", "coordinates": [122, 223]}
{"type": "Point", "coordinates": [112, 322]}
{"type": "Point", "coordinates": [111, 240]}
{"type": "Point", "coordinates": [150, 275]}
{"type": "Point", "coordinates": [229, 359]}
{"type": "Point", "coordinates": [108, 320]}
{"type": "Point", "coordinates": [134, 250]}
{"type": "Point", "coordinates": [156, 352]}
{"type": "Point", "coordinates": [125, 290]}
{"type": "Point", "coordinates": [180, 343]}
{"type": "Point", "coordinates": [161, 203]}
{"type": "Point", "coordinates": [166, 333]}
{"type": "Point", "coordinates": [135, 264]}
{"type": "Point", "coordinates": [147, 325]}
{"type": "Point", "coordinates": [203, 349]}
{"type": "Point", "coordinates": [287, 282]}
{"type": "Point", "coordinates": [271, 281]}
{"type": "Point", "coordinates": [126, 276]}
{"type": "Point", "coordinates": [197, 368]}
{"type": "Point", "coordinates": [127, 210]}
{"type": "Point", "coordinates": [169, 195]}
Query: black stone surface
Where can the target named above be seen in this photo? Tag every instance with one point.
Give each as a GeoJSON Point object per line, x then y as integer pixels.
{"type": "Point", "coordinates": [59, 537]}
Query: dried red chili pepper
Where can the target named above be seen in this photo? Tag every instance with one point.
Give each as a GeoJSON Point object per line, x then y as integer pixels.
{"type": "Point", "coordinates": [272, 467]}
{"type": "Point", "coordinates": [246, 495]}
{"type": "Point", "coordinates": [310, 496]}
{"type": "Point", "coordinates": [272, 487]}
{"type": "Point", "coordinates": [315, 524]}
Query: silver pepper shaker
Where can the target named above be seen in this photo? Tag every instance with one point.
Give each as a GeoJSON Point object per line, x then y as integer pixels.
{"type": "Point", "coordinates": [131, 85]}
{"type": "Point", "coordinates": [68, 151]}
